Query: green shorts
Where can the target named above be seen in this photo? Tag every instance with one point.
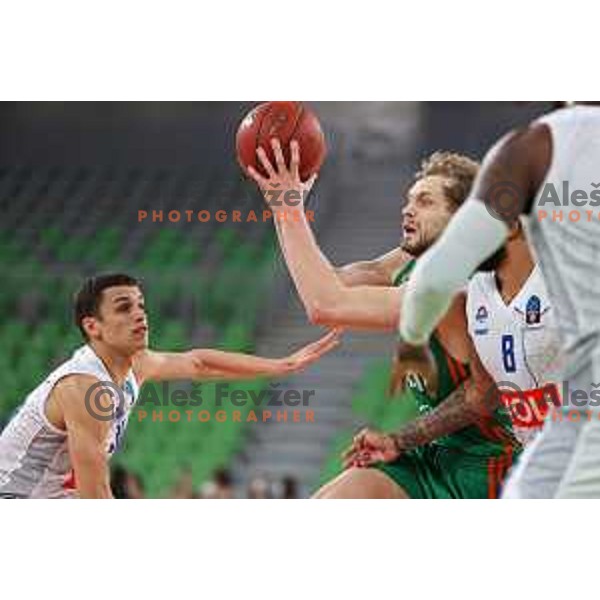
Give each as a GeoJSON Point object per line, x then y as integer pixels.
{"type": "Point", "coordinates": [443, 473]}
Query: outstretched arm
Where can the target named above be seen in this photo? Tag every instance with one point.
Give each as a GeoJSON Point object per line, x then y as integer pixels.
{"type": "Point", "coordinates": [509, 179]}
{"type": "Point", "coordinates": [216, 364]}
{"type": "Point", "coordinates": [326, 299]}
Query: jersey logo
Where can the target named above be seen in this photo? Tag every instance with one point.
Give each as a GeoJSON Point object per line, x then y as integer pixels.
{"type": "Point", "coordinates": [534, 311]}
{"type": "Point", "coordinates": [481, 317]}
{"type": "Point", "coordinates": [415, 382]}
{"type": "Point", "coordinates": [529, 409]}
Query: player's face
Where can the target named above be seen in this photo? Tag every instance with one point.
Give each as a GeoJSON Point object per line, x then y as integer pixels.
{"type": "Point", "coordinates": [122, 323]}
{"type": "Point", "coordinates": [425, 215]}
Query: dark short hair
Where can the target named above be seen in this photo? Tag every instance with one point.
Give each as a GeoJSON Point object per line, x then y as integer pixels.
{"type": "Point", "coordinates": [87, 299]}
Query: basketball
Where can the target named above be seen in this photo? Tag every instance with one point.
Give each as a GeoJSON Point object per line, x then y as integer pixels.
{"type": "Point", "coordinates": [286, 121]}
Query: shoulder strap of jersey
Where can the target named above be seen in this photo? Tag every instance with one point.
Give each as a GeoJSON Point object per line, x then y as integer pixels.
{"type": "Point", "coordinates": [403, 273]}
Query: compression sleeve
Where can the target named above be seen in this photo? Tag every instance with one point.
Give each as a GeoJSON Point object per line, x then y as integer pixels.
{"type": "Point", "coordinates": [471, 237]}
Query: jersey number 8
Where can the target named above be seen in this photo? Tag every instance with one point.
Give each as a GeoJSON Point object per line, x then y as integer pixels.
{"type": "Point", "coordinates": [508, 353]}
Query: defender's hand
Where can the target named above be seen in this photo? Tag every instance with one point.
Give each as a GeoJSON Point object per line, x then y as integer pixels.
{"type": "Point", "coordinates": [310, 353]}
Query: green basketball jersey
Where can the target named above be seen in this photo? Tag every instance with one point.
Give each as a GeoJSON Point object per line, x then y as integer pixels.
{"type": "Point", "coordinates": [490, 437]}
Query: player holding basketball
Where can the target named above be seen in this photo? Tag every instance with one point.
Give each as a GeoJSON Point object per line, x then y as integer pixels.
{"type": "Point", "coordinates": [458, 448]}
{"type": "Point", "coordinates": [526, 166]}
{"type": "Point", "coordinates": [55, 446]}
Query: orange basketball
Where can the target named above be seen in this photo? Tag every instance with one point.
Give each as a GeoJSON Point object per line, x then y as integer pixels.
{"type": "Point", "coordinates": [286, 121]}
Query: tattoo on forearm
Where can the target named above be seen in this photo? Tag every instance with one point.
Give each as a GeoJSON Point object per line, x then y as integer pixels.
{"type": "Point", "coordinates": [455, 413]}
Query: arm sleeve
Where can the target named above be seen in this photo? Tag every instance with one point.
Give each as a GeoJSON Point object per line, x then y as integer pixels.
{"type": "Point", "coordinates": [472, 236]}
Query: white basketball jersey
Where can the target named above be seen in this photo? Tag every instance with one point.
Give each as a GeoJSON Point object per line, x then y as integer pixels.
{"type": "Point", "coordinates": [34, 455]}
{"type": "Point", "coordinates": [568, 247]}
{"type": "Point", "coordinates": [519, 345]}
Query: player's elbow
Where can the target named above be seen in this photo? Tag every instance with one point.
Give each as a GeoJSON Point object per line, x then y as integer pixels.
{"type": "Point", "coordinates": [318, 314]}
{"type": "Point", "coordinates": [324, 314]}
{"type": "Point", "coordinates": [329, 305]}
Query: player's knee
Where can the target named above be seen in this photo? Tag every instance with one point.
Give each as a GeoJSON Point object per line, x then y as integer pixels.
{"type": "Point", "coordinates": [360, 484]}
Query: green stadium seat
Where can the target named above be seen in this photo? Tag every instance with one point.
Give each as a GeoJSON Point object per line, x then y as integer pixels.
{"type": "Point", "coordinates": [52, 237]}
{"type": "Point", "coordinates": [73, 250]}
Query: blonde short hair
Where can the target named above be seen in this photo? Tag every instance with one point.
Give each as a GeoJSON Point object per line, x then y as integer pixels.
{"type": "Point", "coordinates": [459, 171]}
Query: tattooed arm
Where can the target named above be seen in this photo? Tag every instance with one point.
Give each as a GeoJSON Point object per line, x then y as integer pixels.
{"type": "Point", "coordinates": [462, 408]}
{"type": "Point", "coordinates": [465, 406]}
{"type": "Point", "coordinates": [471, 402]}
